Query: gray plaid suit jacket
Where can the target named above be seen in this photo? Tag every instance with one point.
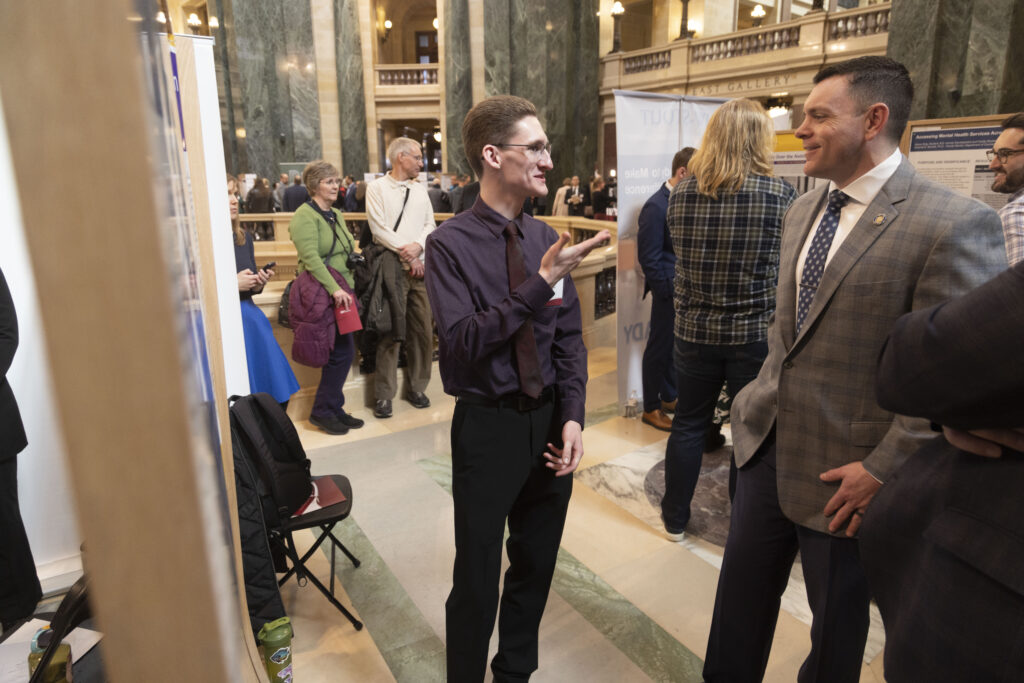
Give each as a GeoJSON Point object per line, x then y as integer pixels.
{"type": "Point", "coordinates": [916, 245]}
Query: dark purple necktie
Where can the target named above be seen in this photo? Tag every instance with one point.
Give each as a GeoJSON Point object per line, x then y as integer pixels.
{"type": "Point", "coordinates": [527, 361]}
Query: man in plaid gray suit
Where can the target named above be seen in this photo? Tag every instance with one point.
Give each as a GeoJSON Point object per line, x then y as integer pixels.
{"type": "Point", "coordinates": [811, 442]}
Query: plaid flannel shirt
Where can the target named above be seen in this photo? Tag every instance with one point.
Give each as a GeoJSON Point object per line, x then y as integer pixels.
{"type": "Point", "coordinates": [1012, 216]}
{"type": "Point", "coordinates": [727, 259]}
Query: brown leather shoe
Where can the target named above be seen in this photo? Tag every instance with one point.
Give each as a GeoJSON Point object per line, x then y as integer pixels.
{"type": "Point", "coordinates": [658, 419]}
{"type": "Point", "coordinates": [669, 407]}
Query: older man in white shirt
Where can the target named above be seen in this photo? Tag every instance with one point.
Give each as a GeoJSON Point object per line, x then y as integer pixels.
{"type": "Point", "coordinates": [400, 215]}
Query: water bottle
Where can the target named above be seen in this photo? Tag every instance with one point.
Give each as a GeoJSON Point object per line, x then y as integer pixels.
{"type": "Point", "coordinates": [276, 639]}
{"type": "Point", "coordinates": [59, 668]}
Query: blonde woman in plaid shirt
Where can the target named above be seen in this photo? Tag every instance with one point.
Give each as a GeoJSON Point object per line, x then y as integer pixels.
{"type": "Point", "coordinates": [726, 223]}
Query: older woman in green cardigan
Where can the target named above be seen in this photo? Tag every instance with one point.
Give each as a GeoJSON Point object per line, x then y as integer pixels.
{"type": "Point", "coordinates": [322, 239]}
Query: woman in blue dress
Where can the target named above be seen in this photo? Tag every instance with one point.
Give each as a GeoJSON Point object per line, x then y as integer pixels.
{"type": "Point", "coordinates": [269, 370]}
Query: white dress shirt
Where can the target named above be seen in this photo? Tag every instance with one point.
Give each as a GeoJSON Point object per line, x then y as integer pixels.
{"type": "Point", "coordinates": [861, 192]}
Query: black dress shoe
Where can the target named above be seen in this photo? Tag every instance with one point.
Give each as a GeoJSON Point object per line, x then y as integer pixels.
{"type": "Point", "coordinates": [330, 424]}
{"type": "Point", "coordinates": [382, 408]}
{"type": "Point", "coordinates": [418, 399]}
{"type": "Point", "coordinates": [349, 421]}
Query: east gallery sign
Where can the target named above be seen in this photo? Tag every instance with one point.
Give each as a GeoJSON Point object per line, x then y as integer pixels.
{"type": "Point", "coordinates": [743, 85]}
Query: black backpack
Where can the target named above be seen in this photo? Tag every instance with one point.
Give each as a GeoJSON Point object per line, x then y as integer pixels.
{"type": "Point", "coordinates": [269, 439]}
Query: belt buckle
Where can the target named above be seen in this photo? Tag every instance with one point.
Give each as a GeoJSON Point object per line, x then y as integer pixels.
{"type": "Point", "coordinates": [524, 403]}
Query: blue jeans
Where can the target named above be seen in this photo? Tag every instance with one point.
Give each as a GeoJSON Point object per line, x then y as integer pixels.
{"type": "Point", "coordinates": [701, 369]}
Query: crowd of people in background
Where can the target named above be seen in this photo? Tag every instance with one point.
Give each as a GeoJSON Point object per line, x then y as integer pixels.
{"type": "Point", "coordinates": [594, 199]}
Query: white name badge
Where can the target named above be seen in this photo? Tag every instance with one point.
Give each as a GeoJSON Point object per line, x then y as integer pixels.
{"type": "Point", "coordinates": [556, 298]}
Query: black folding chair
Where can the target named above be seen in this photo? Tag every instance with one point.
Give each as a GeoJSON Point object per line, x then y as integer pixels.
{"type": "Point", "coordinates": [324, 519]}
{"type": "Point", "coordinates": [271, 445]}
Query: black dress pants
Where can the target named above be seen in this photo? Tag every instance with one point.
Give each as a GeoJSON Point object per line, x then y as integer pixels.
{"type": "Point", "coordinates": [19, 585]}
{"type": "Point", "coordinates": [498, 474]}
{"type": "Point", "coordinates": [759, 554]}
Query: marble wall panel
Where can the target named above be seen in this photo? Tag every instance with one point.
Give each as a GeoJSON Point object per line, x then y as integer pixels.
{"type": "Point", "coordinates": [351, 93]}
{"type": "Point", "coordinates": [302, 91]}
{"type": "Point", "coordinates": [961, 56]}
{"type": "Point", "coordinates": [273, 44]}
{"type": "Point", "coordinates": [586, 103]}
{"type": "Point", "coordinates": [555, 66]}
{"type": "Point", "coordinates": [458, 80]}
{"type": "Point", "coordinates": [497, 36]}
{"type": "Point", "coordinates": [557, 63]}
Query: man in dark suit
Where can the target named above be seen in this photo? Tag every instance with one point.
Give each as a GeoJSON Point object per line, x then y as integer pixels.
{"type": "Point", "coordinates": [577, 197]}
{"type": "Point", "coordinates": [295, 196]}
{"type": "Point", "coordinates": [941, 542]}
{"type": "Point", "coordinates": [811, 443]}
{"type": "Point", "coordinates": [658, 261]}
{"type": "Point", "coordinates": [19, 585]}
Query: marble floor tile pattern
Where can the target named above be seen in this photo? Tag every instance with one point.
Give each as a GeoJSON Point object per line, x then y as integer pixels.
{"type": "Point", "coordinates": [626, 604]}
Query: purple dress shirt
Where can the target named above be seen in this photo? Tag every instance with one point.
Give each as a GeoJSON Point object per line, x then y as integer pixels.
{"type": "Point", "coordinates": [467, 282]}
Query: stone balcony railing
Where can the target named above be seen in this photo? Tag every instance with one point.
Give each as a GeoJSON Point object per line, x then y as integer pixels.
{"type": "Point", "coordinates": [803, 44]}
{"type": "Point", "coordinates": [406, 74]}
{"type": "Point", "coordinates": [869, 21]}
{"type": "Point", "coordinates": [765, 40]}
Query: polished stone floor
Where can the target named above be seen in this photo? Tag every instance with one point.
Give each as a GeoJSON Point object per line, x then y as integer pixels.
{"type": "Point", "coordinates": [626, 604]}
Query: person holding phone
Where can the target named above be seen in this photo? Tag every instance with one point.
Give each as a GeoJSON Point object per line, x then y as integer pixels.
{"type": "Point", "coordinates": [322, 240]}
{"type": "Point", "coordinates": [269, 370]}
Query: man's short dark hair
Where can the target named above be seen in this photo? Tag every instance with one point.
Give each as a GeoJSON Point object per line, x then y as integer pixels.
{"type": "Point", "coordinates": [877, 79]}
{"type": "Point", "coordinates": [682, 158]}
{"type": "Point", "coordinates": [492, 122]}
{"type": "Point", "coordinates": [1014, 121]}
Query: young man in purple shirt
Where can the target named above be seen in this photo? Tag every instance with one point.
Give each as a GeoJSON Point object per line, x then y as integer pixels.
{"type": "Point", "coordinates": [511, 350]}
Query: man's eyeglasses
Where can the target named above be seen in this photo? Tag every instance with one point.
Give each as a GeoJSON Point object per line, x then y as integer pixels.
{"type": "Point", "coordinates": [537, 149]}
{"type": "Point", "coordinates": [1003, 154]}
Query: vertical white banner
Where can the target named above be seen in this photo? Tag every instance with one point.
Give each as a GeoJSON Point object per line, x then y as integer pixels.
{"type": "Point", "coordinates": [650, 128]}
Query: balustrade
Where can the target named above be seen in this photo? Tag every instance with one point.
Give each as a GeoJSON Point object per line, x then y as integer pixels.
{"type": "Point", "coordinates": [407, 75]}
{"type": "Point", "coordinates": [648, 62]}
{"type": "Point", "coordinates": [748, 44]}
{"type": "Point", "coordinates": [864, 23]}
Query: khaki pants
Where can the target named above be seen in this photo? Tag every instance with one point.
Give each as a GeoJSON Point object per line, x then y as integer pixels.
{"type": "Point", "coordinates": [419, 345]}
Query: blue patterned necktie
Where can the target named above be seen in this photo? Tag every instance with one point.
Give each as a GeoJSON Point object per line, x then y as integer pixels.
{"type": "Point", "coordinates": [814, 264]}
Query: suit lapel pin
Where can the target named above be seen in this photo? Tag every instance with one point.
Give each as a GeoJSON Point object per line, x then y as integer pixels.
{"type": "Point", "coordinates": [879, 219]}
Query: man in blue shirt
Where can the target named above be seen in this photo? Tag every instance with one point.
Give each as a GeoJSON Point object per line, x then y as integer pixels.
{"type": "Point", "coordinates": [658, 261]}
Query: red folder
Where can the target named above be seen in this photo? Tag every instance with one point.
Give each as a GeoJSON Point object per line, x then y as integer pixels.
{"type": "Point", "coordinates": [347, 319]}
{"type": "Point", "coordinates": [325, 494]}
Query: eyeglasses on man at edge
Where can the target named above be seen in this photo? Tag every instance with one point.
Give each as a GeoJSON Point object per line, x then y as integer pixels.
{"type": "Point", "coordinates": [1002, 154]}
{"type": "Point", "coordinates": [537, 149]}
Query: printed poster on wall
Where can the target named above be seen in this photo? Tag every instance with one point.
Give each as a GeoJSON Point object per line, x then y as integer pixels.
{"type": "Point", "coordinates": [955, 157]}
{"type": "Point", "coordinates": [650, 128]}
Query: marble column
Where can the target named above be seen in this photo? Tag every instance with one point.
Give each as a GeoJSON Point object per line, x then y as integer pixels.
{"type": "Point", "coordinates": [228, 90]}
{"type": "Point", "coordinates": [497, 37]}
{"type": "Point", "coordinates": [351, 94]}
{"type": "Point", "coordinates": [458, 92]}
{"type": "Point", "coordinates": [547, 52]}
{"type": "Point", "coordinates": [274, 46]}
{"type": "Point", "coordinates": [965, 58]}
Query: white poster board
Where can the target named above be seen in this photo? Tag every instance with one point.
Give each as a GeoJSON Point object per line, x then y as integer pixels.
{"type": "Point", "coordinates": [955, 157]}
{"type": "Point", "coordinates": [650, 128]}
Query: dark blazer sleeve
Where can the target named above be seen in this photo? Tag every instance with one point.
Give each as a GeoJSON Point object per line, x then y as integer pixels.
{"type": "Point", "coordinates": [12, 431]}
{"type": "Point", "coordinates": [649, 238]}
{"type": "Point", "coordinates": [958, 363]}
{"type": "Point", "coordinates": [8, 328]}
